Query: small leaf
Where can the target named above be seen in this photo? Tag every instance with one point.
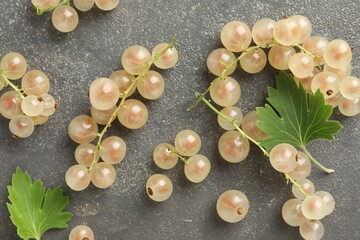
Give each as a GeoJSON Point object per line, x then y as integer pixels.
{"type": "Point", "coordinates": [34, 211]}
{"type": "Point", "coordinates": [294, 117]}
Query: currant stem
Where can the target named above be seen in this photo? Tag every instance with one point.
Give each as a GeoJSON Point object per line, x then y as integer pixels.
{"type": "Point", "coordinates": [177, 154]}
{"type": "Point", "coordinates": [304, 50]}
{"type": "Point", "coordinates": [9, 83]}
{"type": "Point", "coordinates": [316, 60]}
{"type": "Point", "coordinates": [232, 122]}
{"type": "Point", "coordinates": [122, 102]}
{"type": "Point", "coordinates": [319, 165]}
{"type": "Point", "coordinates": [49, 9]}
{"type": "Point", "coordinates": [298, 186]}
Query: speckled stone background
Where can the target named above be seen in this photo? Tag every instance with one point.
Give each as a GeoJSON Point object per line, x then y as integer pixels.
{"type": "Point", "coordinates": [124, 211]}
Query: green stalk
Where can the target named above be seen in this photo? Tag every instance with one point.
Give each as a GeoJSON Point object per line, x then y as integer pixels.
{"type": "Point", "coordinates": [49, 9]}
{"type": "Point", "coordinates": [9, 83]}
{"type": "Point", "coordinates": [234, 123]}
{"type": "Point", "coordinates": [319, 165]}
{"type": "Point", "coordinates": [298, 186]}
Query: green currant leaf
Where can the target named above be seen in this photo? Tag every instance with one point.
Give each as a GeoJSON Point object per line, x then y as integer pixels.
{"type": "Point", "coordinates": [293, 116]}
{"type": "Point", "coordinates": [33, 209]}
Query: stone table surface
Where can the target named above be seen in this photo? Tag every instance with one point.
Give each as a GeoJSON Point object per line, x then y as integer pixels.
{"type": "Point", "coordinates": [124, 211]}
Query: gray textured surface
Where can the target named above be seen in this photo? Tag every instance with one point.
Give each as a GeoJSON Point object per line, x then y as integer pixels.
{"type": "Point", "coordinates": [124, 212]}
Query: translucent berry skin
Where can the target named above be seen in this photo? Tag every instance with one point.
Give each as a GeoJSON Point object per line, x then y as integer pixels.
{"type": "Point", "coordinates": [49, 104]}
{"type": "Point", "coordinates": [232, 206]}
{"type": "Point", "coordinates": [103, 175]}
{"type": "Point", "coordinates": [233, 113]}
{"type": "Point", "coordinates": [341, 73]}
{"type": "Point", "coordinates": [187, 142]}
{"type": "Point", "coordinates": [10, 104]}
{"type": "Point", "coordinates": [44, 4]}
{"type": "Point", "coordinates": [102, 117]}
{"type": "Point", "coordinates": [163, 156]}
{"type": "Point", "coordinates": [254, 61]}
{"type": "Point", "coordinates": [303, 167]}
{"type": "Point", "coordinates": [316, 45]}
{"type": "Point", "coordinates": [312, 230]}
{"type": "Point", "coordinates": [84, 5]}
{"type": "Point", "coordinates": [232, 148]}
{"type": "Point", "coordinates": [77, 177]}
{"type": "Point", "coordinates": [135, 58]}
{"type": "Point", "coordinates": [328, 84]}
{"type": "Point", "coordinates": [333, 101]}
{"type": "Point", "coordinates": [82, 129]}
{"type": "Point", "coordinates": [250, 128]}
{"type": "Point", "coordinates": [219, 59]}
{"type": "Point", "coordinates": [349, 107]}
{"type": "Point", "coordinates": [104, 93]}
{"type": "Point", "coordinates": [197, 168]}
{"type": "Point", "coordinates": [152, 86]}
{"type": "Point", "coordinates": [306, 185]}
{"type": "Point", "coordinates": [236, 36]}
{"type": "Point", "coordinates": [306, 81]}
{"type": "Point", "coordinates": [159, 187]}
{"type": "Point", "coordinates": [113, 150]}
{"type": "Point", "coordinates": [84, 154]}
{"type": "Point", "coordinates": [328, 200]}
{"type": "Point", "coordinates": [350, 87]}
{"type": "Point", "coordinates": [32, 106]}
{"type": "Point", "coordinates": [107, 5]}
{"type": "Point", "coordinates": [338, 54]}
{"type": "Point", "coordinates": [81, 232]}
{"type": "Point", "coordinates": [279, 56]}
{"type": "Point", "coordinates": [287, 31]}
{"type": "Point", "coordinates": [123, 79]}
{"type": "Point", "coordinates": [292, 214]}
{"type": "Point", "coordinates": [301, 65]}
{"type": "Point", "coordinates": [134, 114]}
{"type": "Point", "coordinates": [283, 157]}
{"type": "Point", "coordinates": [13, 65]}
{"type": "Point", "coordinates": [305, 27]}
{"type": "Point", "coordinates": [225, 92]}
{"type": "Point", "coordinates": [65, 18]}
{"type": "Point", "coordinates": [21, 126]}
{"type": "Point", "coordinates": [313, 207]}
{"type": "Point", "coordinates": [35, 82]}
{"type": "Point", "coordinates": [168, 59]}
{"type": "Point", "coordinates": [262, 31]}
{"type": "Point", "coordinates": [39, 120]}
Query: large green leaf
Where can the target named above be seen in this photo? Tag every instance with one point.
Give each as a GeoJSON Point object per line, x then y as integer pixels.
{"type": "Point", "coordinates": [34, 210]}
{"type": "Point", "coordinates": [294, 116]}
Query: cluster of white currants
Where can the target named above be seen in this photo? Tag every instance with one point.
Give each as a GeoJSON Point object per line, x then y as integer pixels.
{"type": "Point", "coordinates": [225, 91]}
{"type": "Point", "coordinates": [64, 17]}
{"type": "Point", "coordinates": [29, 105]}
{"type": "Point", "coordinates": [81, 232]}
{"type": "Point", "coordinates": [196, 166]}
{"type": "Point", "coordinates": [309, 206]}
{"type": "Point", "coordinates": [319, 64]}
{"type": "Point", "coordinates": [232, 206]}
{"type": "Point", "coordinates": [105, 93]}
